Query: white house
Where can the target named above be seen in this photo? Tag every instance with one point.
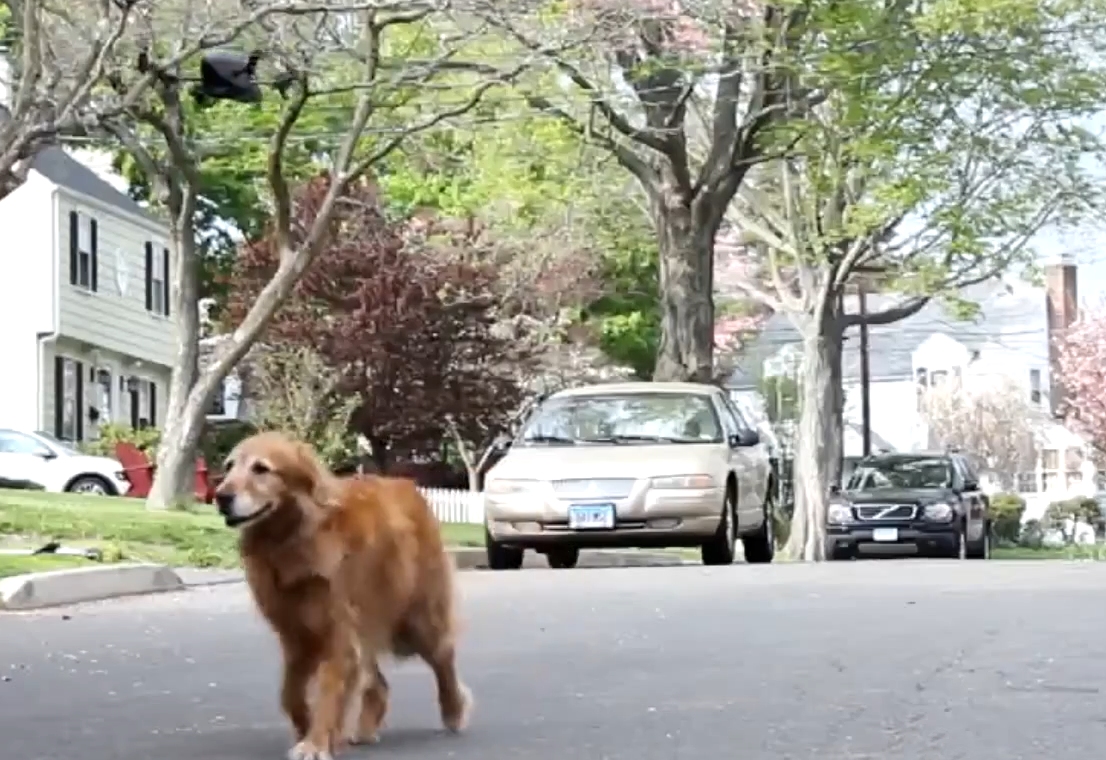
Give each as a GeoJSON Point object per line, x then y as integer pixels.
{"type": "Point", "coordinates": [1011, 336]}
{"type": "Point", "coordinates": [84, 302]}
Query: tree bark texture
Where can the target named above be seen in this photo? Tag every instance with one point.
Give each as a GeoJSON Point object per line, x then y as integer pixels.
{"type": "Point", "coordinates": [819, 447]}
{"type": "Point", "coordinates": [181, 432]}
{"type": "Point", "coordinates": [686, 243]}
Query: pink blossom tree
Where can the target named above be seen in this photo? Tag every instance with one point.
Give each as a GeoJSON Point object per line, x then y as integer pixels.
{"type": "Point", "coordinates": [1082, 369]}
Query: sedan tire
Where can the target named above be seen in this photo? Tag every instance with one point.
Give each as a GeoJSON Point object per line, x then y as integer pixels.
{"type": "Point", "coordinates": [760, 547]}
{"type": "Point", "coordinates": [501, 557]}
{"type": "Point", "coordinates": [719, 550]}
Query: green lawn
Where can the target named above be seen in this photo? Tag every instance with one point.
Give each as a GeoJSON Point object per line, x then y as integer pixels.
{"type": "Point", "coordinates": [16, 565]}
{"type": "Point", "coordinates": [124, 530]}
{"type": "Point", "coordinates": [1097, 552]}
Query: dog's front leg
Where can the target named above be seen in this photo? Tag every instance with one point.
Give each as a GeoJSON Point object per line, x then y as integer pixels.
{"type": "Point", "coordinates": [299, 666]}
{"type": "Point", "coordinates": [325, 721]}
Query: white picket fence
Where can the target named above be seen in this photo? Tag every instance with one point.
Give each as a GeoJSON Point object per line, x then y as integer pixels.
{"type": "Point", "coordinates": [453, 505]}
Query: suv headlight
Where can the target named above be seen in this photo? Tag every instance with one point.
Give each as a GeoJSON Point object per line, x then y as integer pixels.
{"type": "Point", "coordinates": [839, 513]}
{"type": "Point", "coordinates": [683, 481]}
{"type": "Point", "coordinates": [939, 512]}
{"type": "Point", "coordinates": [504, 487]}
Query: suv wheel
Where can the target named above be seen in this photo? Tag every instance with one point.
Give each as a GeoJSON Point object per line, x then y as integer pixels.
{"type": "Point", "coordinates": [719, 550]}
{"type": "Point", "coordinates": [760, 547]}
{"type": "Point", "coordinates": [563, 558]}
{"type": "Point", "coordinates": [501, 557]}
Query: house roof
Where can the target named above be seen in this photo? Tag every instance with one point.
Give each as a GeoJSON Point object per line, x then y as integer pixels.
{"type": "Point", "coordinates": [65, 171]}
{"type": "Point", "coordinates": [1008, 313]}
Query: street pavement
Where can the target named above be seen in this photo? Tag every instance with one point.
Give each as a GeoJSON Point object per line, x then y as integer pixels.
{"type": "Point", "coordinates": [896, 660]}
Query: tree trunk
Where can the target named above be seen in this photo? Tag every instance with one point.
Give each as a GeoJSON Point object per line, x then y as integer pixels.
{"type": "Point", "coordinates": [181, 431]}
{"type": "Point", "coordinates": [686, 285]}
{"type": "Point", "coordinates": [818, 450]}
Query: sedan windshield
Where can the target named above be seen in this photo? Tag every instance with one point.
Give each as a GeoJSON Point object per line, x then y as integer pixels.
{"type": "Point", "coordinates": [629, 418]}
{"type": "Point", "coordinates": [901, 473]}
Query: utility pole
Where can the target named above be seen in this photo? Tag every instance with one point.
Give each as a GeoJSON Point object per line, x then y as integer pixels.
{"type": "Point", "coordinates": [865, 373]}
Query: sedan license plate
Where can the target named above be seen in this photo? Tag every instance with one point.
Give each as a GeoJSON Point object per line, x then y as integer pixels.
{"type": "Point", "coordinates": [885, 535]}
{"type": "Point", "coordinates": [591, 517]}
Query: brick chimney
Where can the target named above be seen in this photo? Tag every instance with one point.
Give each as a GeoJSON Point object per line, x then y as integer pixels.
{"type": "Point", "coordinates": [1061, 308]}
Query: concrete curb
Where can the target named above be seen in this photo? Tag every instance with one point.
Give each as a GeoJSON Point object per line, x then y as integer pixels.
{"type": "Point", "coordinates": [85, 584]}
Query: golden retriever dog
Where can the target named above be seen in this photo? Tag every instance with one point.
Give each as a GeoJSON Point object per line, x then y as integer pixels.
{"type": "Point", "coordinates": [346, 571]}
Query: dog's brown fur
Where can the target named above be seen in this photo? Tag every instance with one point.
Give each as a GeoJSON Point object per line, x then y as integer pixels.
{"type": "Point", "coordinates": [346, 570]}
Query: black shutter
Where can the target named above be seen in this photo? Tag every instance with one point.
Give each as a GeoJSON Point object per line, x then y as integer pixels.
{"type": "Point", "coordinates": [93, 264]}
{"type": "Point", "coordinates": [165, 276]}
{"type": "Point", "coordinates": [74, 247]}
{"type": "Point", "coordinates": [153, 404]}
{"type": "Point", "coordinates": [59, 396]}
{"type": "Point", "coordinates": [133, 396]}
{"type": "Point", "coordinates": [80, 402]}
{"type": "Point", "coordinates": [149, 276]}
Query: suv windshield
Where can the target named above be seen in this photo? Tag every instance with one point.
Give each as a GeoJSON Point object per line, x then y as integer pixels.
{"type": "Point", "coordinates": [627, 418]}
{"type": "Point", "coordinates": [901, 473]}
{"type": "Point", "coordinates": [66, 448]}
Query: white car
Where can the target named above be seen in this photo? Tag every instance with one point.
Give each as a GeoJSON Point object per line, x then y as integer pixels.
{"type": "Point", "coordinates": [56, 466]}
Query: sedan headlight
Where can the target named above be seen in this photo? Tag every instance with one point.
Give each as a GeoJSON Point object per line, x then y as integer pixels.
{"type": "Point", "coordinates": [839, 514]}
{"type": "Point", "coordinates": [939, 512]}
{"type": "Point", "coordinates": [683, 481]}
{"type": "Point", "coordinates": [505, 487]}
{"type": "Point", "coordinates": [121, 475]}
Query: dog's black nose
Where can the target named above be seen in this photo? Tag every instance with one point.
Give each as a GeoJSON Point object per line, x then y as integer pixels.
{"type": "Point", "coordinates": [224, 501]}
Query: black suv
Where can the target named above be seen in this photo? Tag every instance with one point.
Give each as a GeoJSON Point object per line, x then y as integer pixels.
{"type": "Point", "coordinates": [930, 501]}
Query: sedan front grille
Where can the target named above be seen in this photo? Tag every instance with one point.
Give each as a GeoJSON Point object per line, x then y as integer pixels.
{"type": "Point", "coordinates": [875, 512]}
{"type": "Point", "coordinates": [593, 488]}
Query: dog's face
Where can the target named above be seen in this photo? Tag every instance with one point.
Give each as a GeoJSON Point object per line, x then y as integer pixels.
{"type": "Point", "coordinates": [266, 474]}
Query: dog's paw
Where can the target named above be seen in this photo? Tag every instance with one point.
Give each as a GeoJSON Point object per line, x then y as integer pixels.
{"type": "Point", "coordinates": [458, 720]}
{"type": "Point", "coordinates": [357, 738]}
{"type": "Point", "coordinates": [306, 750]}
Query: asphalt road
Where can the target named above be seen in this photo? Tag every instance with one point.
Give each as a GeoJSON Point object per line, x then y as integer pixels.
{"type": "Point", "coordinates": [895, 660]}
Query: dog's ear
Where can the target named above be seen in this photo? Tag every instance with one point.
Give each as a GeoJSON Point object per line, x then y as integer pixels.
{"type": "Point", "coordinates": [317, 477]}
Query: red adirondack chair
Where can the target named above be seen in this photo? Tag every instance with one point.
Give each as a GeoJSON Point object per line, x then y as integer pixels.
{"type": "Point", "coordinates": [204, 484]}
{"type": "Point", "coordinates": [140, 472]}
{"type": "Point", "coordinates": [137, 468]}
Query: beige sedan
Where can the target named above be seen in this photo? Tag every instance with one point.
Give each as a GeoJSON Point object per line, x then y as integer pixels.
{"type": "Point", "coordinates": [631, 465]}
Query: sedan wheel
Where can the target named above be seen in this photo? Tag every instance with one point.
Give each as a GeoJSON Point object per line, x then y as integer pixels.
{"type": "Point", "coordinates": [760, 547]}
{"type": "Point", "coordinates": [720, 549]}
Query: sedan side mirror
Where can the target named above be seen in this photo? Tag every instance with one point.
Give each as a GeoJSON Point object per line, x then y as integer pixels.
{"type": "Point", "coordinates": [744, 438]}
{"type": "Point", "coordinates": [501, 443]}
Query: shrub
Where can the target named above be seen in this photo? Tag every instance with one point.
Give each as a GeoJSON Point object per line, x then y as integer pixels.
{"type": "Point", "coordinates": [219, 438]}
{"type": "Point", "coordinates": [145, 439]}
{"type": "Point", "coordinates": [1032, 535]}
{"type": "Point", "coordinates": [1007, 510]}
{"type": "Point", "coordinates": [1079, 508]}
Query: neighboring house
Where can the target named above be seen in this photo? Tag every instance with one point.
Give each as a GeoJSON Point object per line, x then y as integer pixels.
{"type": "Point", "coordinates": [231, 400]}
{"type": "Point", "coordinates": [1010, 337]}
{"type": "Point", "coordinates": [86, 333]}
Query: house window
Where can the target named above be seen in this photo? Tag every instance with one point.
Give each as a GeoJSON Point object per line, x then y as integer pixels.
{"type": "Point", "coordinates": [1035, 386]}
{"type": "Point", "coordinates": [1027, 482]}
{"type": "Point", "coordinates": [142, 401]}
{"type": "Point", "coordinates": [68, 394]}
{"type": "Point", "coordinates": [83, 264]}
{"type": "Point", "coordinates": [157, 280]}
{"type": "Point", "coordinates": [1073, 468]}
{"type": "Point", "coordinates": [938, 377]}
{"type": "Point", "coordinates": [1050, 463]}
{"type": "Point", "coordinates": [922, 377]}
{"type": "Point", "coordinates": [104, 396]}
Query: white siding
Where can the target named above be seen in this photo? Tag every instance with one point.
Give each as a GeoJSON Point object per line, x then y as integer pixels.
{"type": "Point", "coordinates": [26, 297]}
{"type": "Point", "coordinates": [114, 317]}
